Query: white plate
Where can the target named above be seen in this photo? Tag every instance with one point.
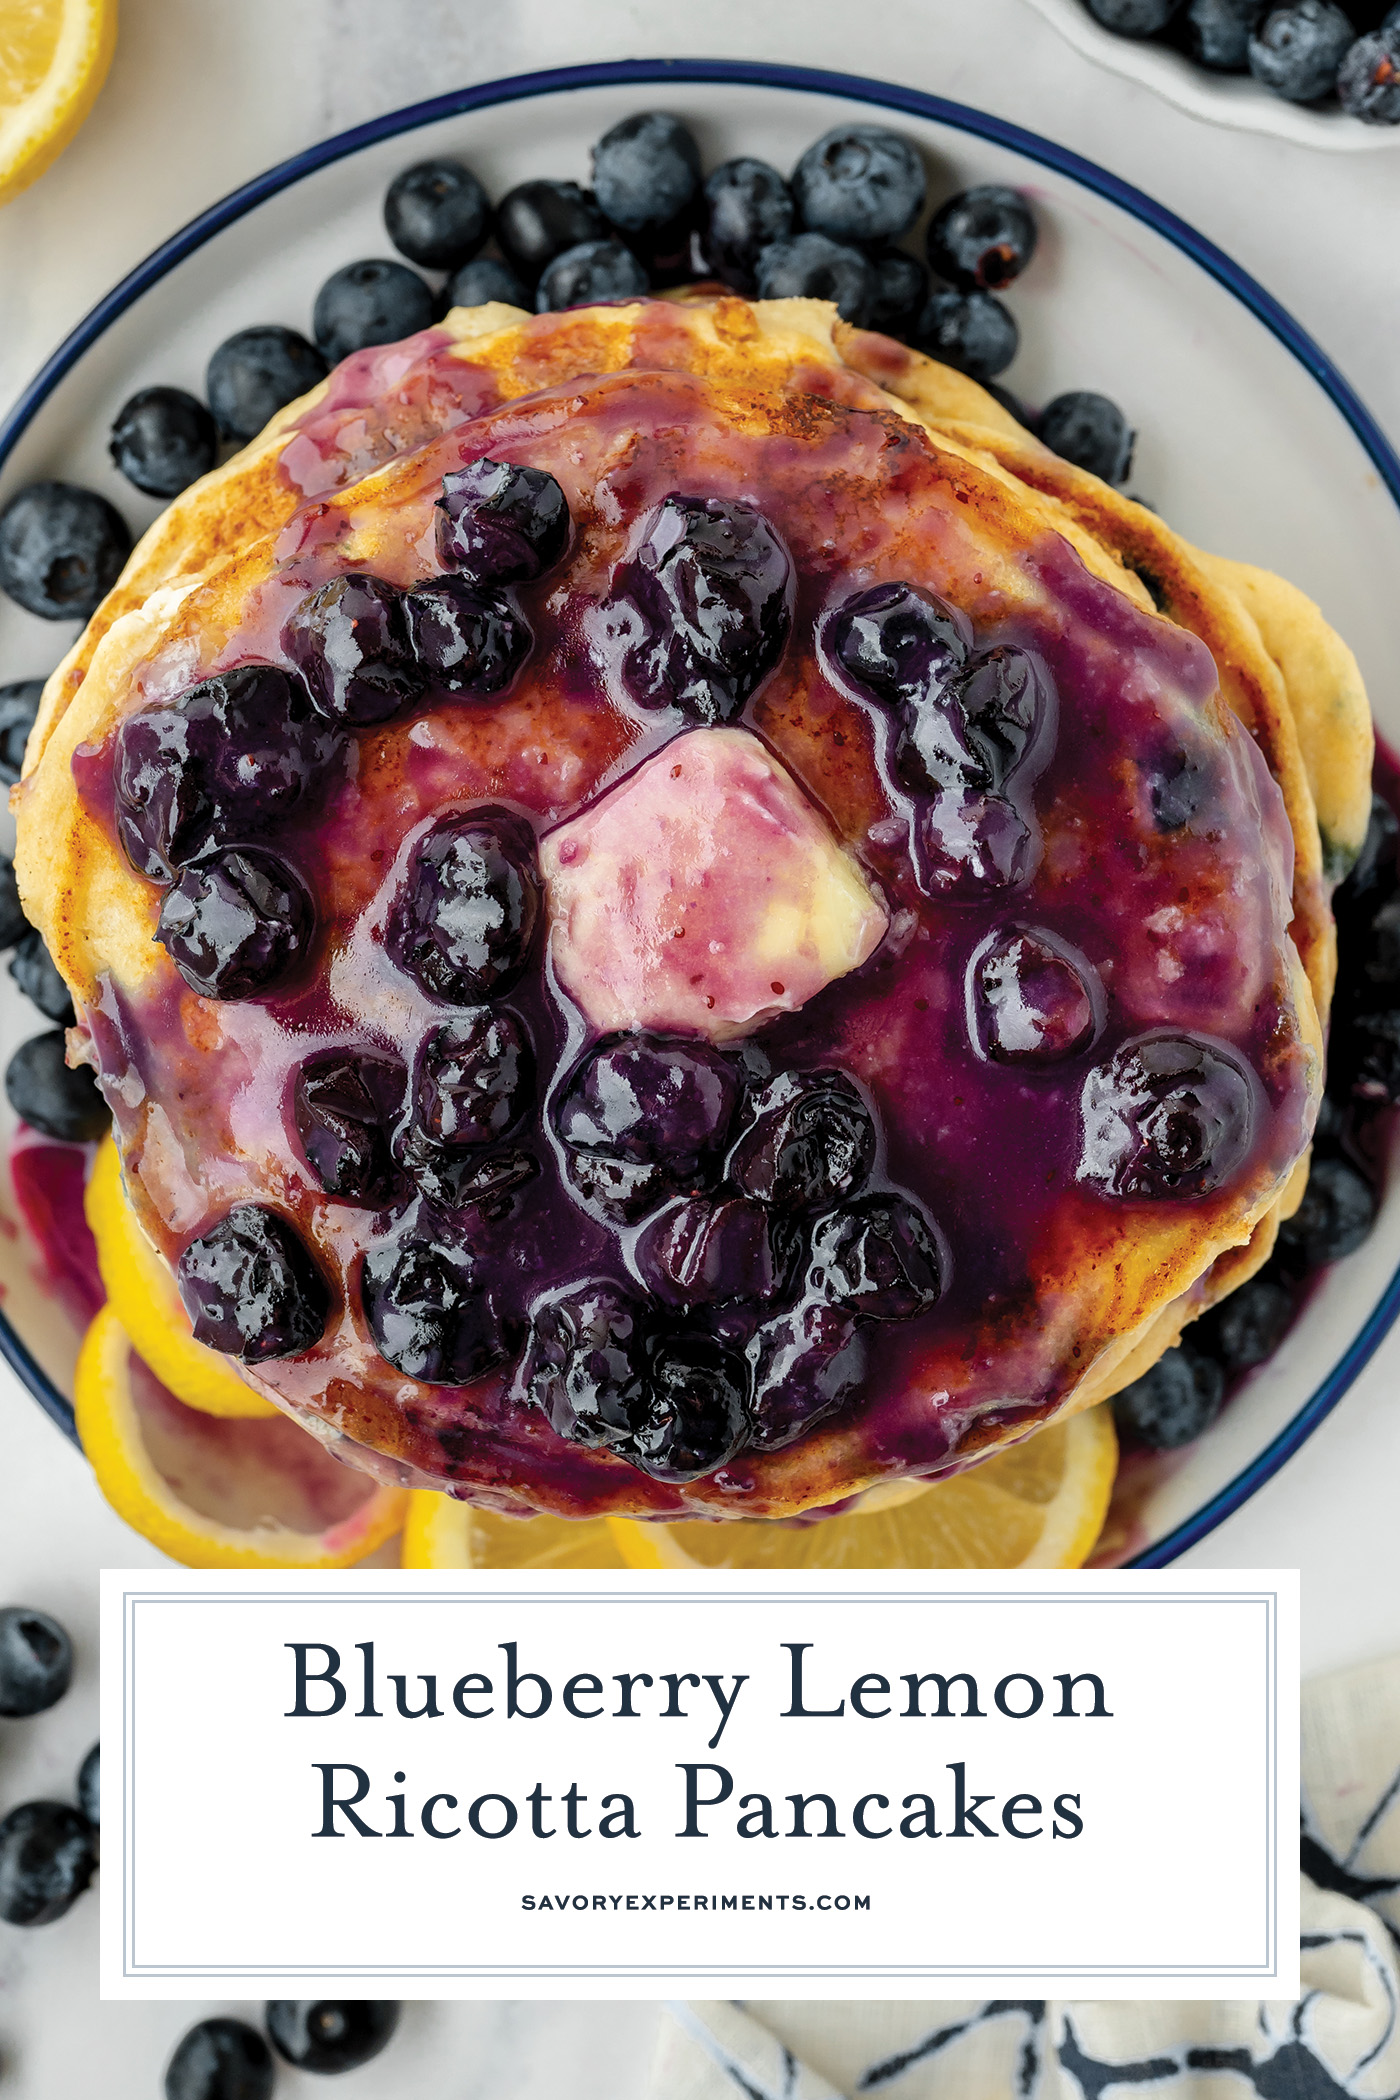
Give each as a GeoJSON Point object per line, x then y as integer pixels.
{"type": "Point", "coordinates": [1250, 443]}
{"type": "Point", "coordinates": [1234, 99]}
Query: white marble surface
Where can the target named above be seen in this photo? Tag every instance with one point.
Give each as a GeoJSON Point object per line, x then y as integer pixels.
{"type": "Point", "coordinates": [204, 94]}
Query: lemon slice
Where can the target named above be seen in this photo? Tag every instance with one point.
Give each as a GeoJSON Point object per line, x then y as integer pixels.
{"type": "Point", "coordinates": [54, 56]}
{"type": "Point", "coordinates": [1039, 1505]}
{"type": "Point", "coordinates": [142, 1292]}
{"type": "Point", "coordinates": [219, 1494]}
{"type": "Point", "coordinates": [441, 1533]}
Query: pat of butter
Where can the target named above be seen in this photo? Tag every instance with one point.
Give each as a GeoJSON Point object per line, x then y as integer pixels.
{"type": "Point", "coordinates": [703, 894]}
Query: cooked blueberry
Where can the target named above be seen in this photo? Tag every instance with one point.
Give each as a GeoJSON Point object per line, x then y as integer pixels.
{"type": "Point", "coordinates": [484, 279]}
{"type": "Point", "coordinates": [456, 1181]}
{"type": "Point", "coordinates": [468, 641]}
{"type": "Point", "coordinates": [971, 331]}
{"type": "Point", "coordinates": [237, 923]}
{"type": "Point", "coordinates": [811, 1139]}
{"type": "Point", "coordinates": [163, 439]}
{"type": "Point", "coordinates": [1177, 792]}
{"type": "Point", "coordinates": [538, 220]}
{"type": "Point", "coordinates": [1006, 697]}
{"type": "Point", "coordinates": [696, 1401]}
{"type": "Point", "coordinates": [1372, 878]}
{"type": "Point", "coordinates": [367, 303]}
{"type": "Point", "coordinates": [805, 1364]}
{"type": "Point", "coordinates": [982, 238]}
{"type": "Point", "coordinates": [877, 1257]}
{"type": "Point", "coordinates": [585, 1363]}
{"type": "Point", "coordinates": [1334, 1218]}
{"type": "Point", "coordinates": [250, 1287]}
{"type": "Point", "coordinates": [645, 171]}
{"type": "Point", "coordinates": [1031, 999]}
{"type": "Point", "coordinates": [749, 206]}
{"type": "Point", "coordinates": [812, 266]}
{"type": "Point", "coordinates": [1368, 84]}
{"type": "Point", "coordinates": [36, 1661]}
{"type": "Point", "coordinates": [704, 1250]}
{"type": "Point", "coordinates": [220, 2059]}
{"type": "Point", "coordinates": [899, 290]}
{"type": "Point", "coordinates": [47, 1859]}
{"type": "Point", "coordinates": [1367, 1051]}
{"type": "Point", "coordinates": [616, 1189]}
{"type": "Point", "coordinates": [1168, 1115]}
{"type": "Point", "coordinates": [34, 971]}
{"type": "Point", "coordinates": [463, 922]}
{"type": "Point", "coordinates": [1297, 51]}
{"type": "Point", "coordinates": [12, 920]}
{"type": "Point", "coordinates": [501, 523]}
{"type": "Point", "coordinates": [1090, 431]}
{"type": "Point", "coordinates": [344, 1104]}
{"type": "Point", "coordinates": [1217, 32]}
{"type": "Point", "coordinates": [44, 1093]}
{"type": "Point", "coordinates": [430, 1309]}
{"type": "Point", "coordinates": [257, 372]}
{"type": "Point", "coordinates": [1248, 1326]}
{"type": "Point", "coordinates": [965, 843]}
{"type": "Point", "coordinates": [331, 2034]}
{"type": "Point", "coordinates": [650, 1102]}
{"type": "Point", "coordinates": [61, 550]}
{"type": "Point", "coordinates": [90, 1785]}
{"type": "Point", "coordinates": [350, 641]}
{"type": "Point", "coordinates": [709, 584]}
{"type": "Point", "coordinates": [1133, 17]}
{"type": "Point", "coordinates": [859, 182]}
{"type": "Point", "coordinates": [473, 1079]}
{"type": "Point", "coordinates": [593, 271]}
{"type": "Point", "coordinates": [1173, 1403]}
{"type": "Point", "coordinates": [436, 213]}
{"type": "Point", "coordinates": [899, 641]}
{"type": "Point", "coordinates": [19, 704]}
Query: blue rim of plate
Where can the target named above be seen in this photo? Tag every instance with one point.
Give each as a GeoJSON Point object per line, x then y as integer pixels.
{"type": "Point", "coordinates": [644, 72]}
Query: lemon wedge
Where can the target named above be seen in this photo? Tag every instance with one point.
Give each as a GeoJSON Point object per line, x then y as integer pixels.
{"type": "Point", "coordinates": [219, 1494]}
{"type": "Point", "coordinates": [142, 1292]}
{"type": "Point", "coordinates": [1040, 1504]}
{"type": "Point", "coordinates": [54, 56]}
{"type": "Point", "coordinates": [441, 1533]}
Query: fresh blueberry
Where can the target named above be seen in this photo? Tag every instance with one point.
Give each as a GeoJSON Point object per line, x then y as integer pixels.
{"type": "Point", "coordinates": [650, 1102]}
{"type": "Point", "coordinates": [1092, 432]}
{"type": "Point", "coordinates": [1217, 32]}
{"type": "Point", "coordinates": [257, 372]}
{"type": "Point", "coordinates": [810, 1139]}
{"type": "Point", "coordinates": [859, 183]}
{"type": "Point", "coordinates": [501, 523]}
{"type": "Point", "coordinates": [877, 1257]}
{"type": "Point", "coordinates": [1031, 999]}
{"type": "Point", "coordinates": [748, 207]}
{"type": "Point", "coordinates": [46, 1095]}
{"type": "Point", "coordinates": [585, 1364]}
{"type": "Point", "coordinates": [468, 641]}
{"type": "Point", "coordinates": [1334, 1218]}
{"type": "Point", "coordinates": [90, 1786]}
{"type": "Point", "coordinates": [593, 271]}
{"type": "Point", "coordinates": [477, 283]}
{"type": "Point", "coordinates": [1368, 84]}
{"type": "Point", "coordinates": [163, 439]}
{"type": "Point", "coordinates": [709, 585]}
{"type": "Point", "coordinates": [899, 292]}
{"type": "Point", "coordinates": [1297, 51]}
{"type": "Point", "coordinates": [1167, 1116]}
{"type": "Point", "coordinates": [982, 238]}
{"type": "Point", "coordinates": [1380, 954]}
{"type": "Point", "coordinates": [350, 641]}
{"type": "Point", "coordinates": [1247, 1327]}
{"type": "Point", "coordinates": [1367, 1054]}
{"type": "Point", "coordinates": [473, 1079]}
{"type": "Point", "coordinates": [696, 1409]}
{"type": "Point", "coordinates": [463, 922]}
{"type": "Point", "coordinates": [34, 971]}
{"type": "Point", "coordinates": [971, 734]}
{"type": "Point", "coordinates": [36, 1661]}
{"type": "Point", "coordinates": [220, 2059]}
{"type": "Point", "coordinates": [1373, 875]}
{"type": "Point", "coordinates": [19, 704]}
{"type": "Point", "coordinates": [646, 170]}
{"type": "Point", "coordinates": [61, 550]}
{"type": "Point", "coordinates": [436, 213]}
{"type": "Point", "coordinates": [704, 1250]}
{"type": "Point", "coordinates": [367, 303]}
{"type": "Point", "coordinates": [1133, 17]}
{"type": "Point", "coordinates": [250, 1287]}
{"type": "Point", "coordinates": [971, 331]}
{"type": "Point", "coordinates": [331, 2034]}
{"type": "Point", "coordinates": [805, 1364]}
{"type": "Point", "coordinates": [812, 266]}
{"type": "Point", "coordinates": [344, 1103]}
{"type": "Point", "coordinates": [537, 221]}
{"type": "Point", "coordinates": [47, 1858]}
{"type": "Point", "coordinates": [429, 1309]}
{"type": "Point", "coordinates": [236, 923]}
{"type": "Point", "coordinates": [12, 920]}
{"type": "Point", "coordinates": [1173, 1403]}
{"type": "Point", "coordinates": [899, 641]}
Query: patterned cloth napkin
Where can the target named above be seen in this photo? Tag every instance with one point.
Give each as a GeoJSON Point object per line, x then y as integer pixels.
{"type": "Point", "coordinates": [1340, 2041]}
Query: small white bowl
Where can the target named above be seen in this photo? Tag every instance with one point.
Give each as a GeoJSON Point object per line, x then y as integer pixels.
{"type": "Point", "coordinates": [1232, 99]}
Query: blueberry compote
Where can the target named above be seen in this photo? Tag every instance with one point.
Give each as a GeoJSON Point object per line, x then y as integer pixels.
{"type": "Point", "coordinates": [672, 1259]}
